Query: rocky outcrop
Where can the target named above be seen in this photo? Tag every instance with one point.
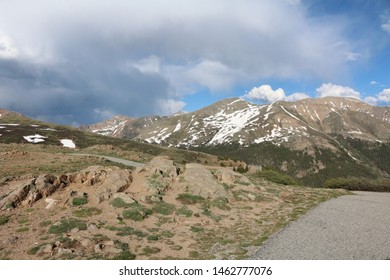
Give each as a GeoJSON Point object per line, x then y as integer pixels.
{"type": "Point", "coordinates": [202, 182]}
{"type": "Point", "coordinates": [30, 191]}
{"type": "Point", "coordinates": [105, 180]}
{"type": "Point", "coordinates": [162, 166]}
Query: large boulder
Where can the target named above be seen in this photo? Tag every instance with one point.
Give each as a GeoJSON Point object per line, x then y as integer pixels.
{"type": "Point", "coordinates": [106, 181]}
{"type": "Point", "coordinates": [161, 165]}
{"type": "Point", "coordinates": [202, 182]}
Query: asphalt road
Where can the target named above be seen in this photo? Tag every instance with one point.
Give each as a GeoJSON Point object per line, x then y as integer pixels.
{"type": "Point", "coordinates": [351, 227]}
{"type": "Point", "coordinates": [114, 159]}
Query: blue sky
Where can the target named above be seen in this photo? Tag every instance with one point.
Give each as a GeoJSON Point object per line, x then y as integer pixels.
{"type": "Point", "coordinates": [81, 62]}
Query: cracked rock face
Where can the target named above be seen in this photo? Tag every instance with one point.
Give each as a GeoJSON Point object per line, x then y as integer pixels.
{"type": "Point", "coordinates": [105, 181]}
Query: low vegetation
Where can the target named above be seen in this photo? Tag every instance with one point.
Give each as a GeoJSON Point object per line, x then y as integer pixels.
{"type": "Point", "coordinates": [77, 201]}
{"type": "Point", "coordinates": [359, 184]}
{"type": "Point", "coordinates": [164, 208]}
{"type": "Point", "coordinates": [87, 212]}
{"type": "Point", "coordinates": [137, 212]}
{"type": "Point", "coordinates": [3, 220]}
{"type": "Point", "coordinates": [66, 225]}
{"type": "Point", "coordinates": [276, 176]}
{"type": "Point", "coordinates": [186, 198]}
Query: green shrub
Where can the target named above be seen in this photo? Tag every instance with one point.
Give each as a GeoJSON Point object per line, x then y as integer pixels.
{"type": "Point", "coordinates": [67, 225]}
{"type": "Point", "coordinates": [164, 208]}
{"type": "Point", "coordinates": [87, 212]}
{"type": "Point", "coordinates": [3, 220]}
{"type": "Point", "coordinates": [33, 250]}
{"type": "Point", "coordinates": [126, 231]}
{"type": "Point", "coordinates": [359, 184]}
{"type": "Point", "coordinates": [184, 211]}
{"type": "Point", "coordinates": [150, 250]}
{"type": "Point", "coordinates": [22, 229]}
{"type": "Point", "coordinates": [154, 237]}
{"type": "Point", "coordinates": [118, 203]}
{"type": "Point", "coordinates": [125, 255]}
{"type": "Point", "coordinates": [77, 201]}
{"type": "Point", "coordinates": [277, 177]}
{"type": "Point", "coordinates": [187, 198]}
{"type": "Point", "coordinates": [137, 212]}
{"type": "Point", "coordinates": [221, 203]}
{"type": "Point", "coordinates": [196, 229]}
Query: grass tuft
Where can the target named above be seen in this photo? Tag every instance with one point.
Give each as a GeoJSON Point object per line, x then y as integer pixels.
{"type": "Point", "coordinates": [186, 198]}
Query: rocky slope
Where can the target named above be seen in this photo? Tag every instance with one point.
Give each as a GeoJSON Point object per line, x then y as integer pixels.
{"type": "Point", "coordinates": [158, 211]}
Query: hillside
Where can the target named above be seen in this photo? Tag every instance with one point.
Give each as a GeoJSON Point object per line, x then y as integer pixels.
{"type": "Point", "coordinates": [312, 139]}
{"type": "Point", "coordinates": [68, 202]}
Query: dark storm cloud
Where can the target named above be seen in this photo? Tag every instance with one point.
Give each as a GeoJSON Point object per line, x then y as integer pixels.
{"type": "Point", "coordinates": [82, 61]}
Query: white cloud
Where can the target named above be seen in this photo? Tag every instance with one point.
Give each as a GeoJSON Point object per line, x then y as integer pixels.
{"type": "Point", "coordinates": [149, 65]}
{"type": "Point", "coordinates": [7, 50]}
{"type": "Point", "coordinates": [212, 74]}
{"type": "Point", "coordinates": [373, 83]}
{"type": "Point", "coordinates": [371, 100]}
{"type": "Point", "coordinates": [330, 89]}
{"type": "Point", "coordinates": [296, 96]}
{"type": "Point", "coordinates": [103, 114]}
{"type": "Point", "coordinates": [352, 56]}
{"type": "Point", "coordinates": [170, 106]}
{"type": "Point", "coordinates": [266, 93]}
{"type": "Point", "coordinates": [386, 26]}
{"type": "Point", "coordinates": [384, 95]}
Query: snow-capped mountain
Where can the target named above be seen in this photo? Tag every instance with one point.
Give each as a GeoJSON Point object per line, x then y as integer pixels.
{"type": "Point", "coordinates": [311, 139]}
{"type": "Point", "coordinates": [294, 124]}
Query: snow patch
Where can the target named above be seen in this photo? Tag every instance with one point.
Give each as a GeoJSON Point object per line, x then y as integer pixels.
{"type": "Point", "coordinates": [230, 124]}
{"type": "Point", "coordinates": [177, 128]}
{"type": "Point", "coordinates": [355, 132]}
{"type": "Point", "coordinates": [34, 138]}
{"type": "Point", "coordinates": [68, 143]}
{"type": "Point", "coordinates": [49, 129]}
{"type": "Point", "coordinates": [9, 124]}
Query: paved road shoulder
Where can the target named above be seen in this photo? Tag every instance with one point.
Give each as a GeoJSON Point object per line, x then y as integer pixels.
{"type": "Point", "coordinates": [349, 227]}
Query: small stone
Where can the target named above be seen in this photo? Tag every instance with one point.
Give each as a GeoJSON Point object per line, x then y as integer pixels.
{"type": "Point", "coordinates": [62, 251]}
{"type": "Point", "coordinates": [92, 227]}
{"type": "Point", "coordinates": [99, 248]}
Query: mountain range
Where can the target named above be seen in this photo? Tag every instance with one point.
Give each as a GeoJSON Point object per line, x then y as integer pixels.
{"type": "Point", "coordinates": [310, 139]}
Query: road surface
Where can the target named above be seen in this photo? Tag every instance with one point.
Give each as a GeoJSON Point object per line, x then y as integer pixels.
{"type": "Point", "coordinates": [114, 159]}
{"type": "Point", "coordinates": [351, 227]}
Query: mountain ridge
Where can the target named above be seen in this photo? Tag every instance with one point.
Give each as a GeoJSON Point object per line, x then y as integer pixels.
{"type": "Point", "coordinates": [237, 120]}
{"type": "Point", "coordinates": [311, 139]}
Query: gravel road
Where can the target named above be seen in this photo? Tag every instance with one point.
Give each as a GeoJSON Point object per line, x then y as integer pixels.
{"type": "Point", "coordinates": [346, 228]}
{"type": "Point", "coordinates": [114, 159]}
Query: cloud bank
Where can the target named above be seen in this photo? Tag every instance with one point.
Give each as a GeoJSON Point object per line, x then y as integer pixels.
{"type": "Point", "coordinates": [79, 61]}
{"type": "Point", "coordinates": [265, 93]}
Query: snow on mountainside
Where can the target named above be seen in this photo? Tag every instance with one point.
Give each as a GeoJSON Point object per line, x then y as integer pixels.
{"type": "Point", "coordinates": [299, 124]}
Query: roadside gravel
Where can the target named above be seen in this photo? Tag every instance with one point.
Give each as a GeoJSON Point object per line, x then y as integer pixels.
{"type": "Point", "coordinates": [350, 227]}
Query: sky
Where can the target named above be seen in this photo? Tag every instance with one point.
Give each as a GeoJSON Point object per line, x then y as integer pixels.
{"type": "Point", "coordinates": [79, 62]}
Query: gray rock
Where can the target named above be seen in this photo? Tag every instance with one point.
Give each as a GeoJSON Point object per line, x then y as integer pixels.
{"type": "Point", "coordinates": [202, 182]}
{"type": "Point", "coordinates": [125, 197]}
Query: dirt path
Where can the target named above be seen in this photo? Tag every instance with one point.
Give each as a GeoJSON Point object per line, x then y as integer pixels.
{"type": "Point", "coordinates": [114, 159]}
{"type": "Point", "coordinates": [349, 227]}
